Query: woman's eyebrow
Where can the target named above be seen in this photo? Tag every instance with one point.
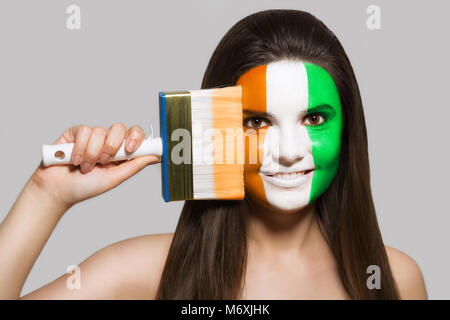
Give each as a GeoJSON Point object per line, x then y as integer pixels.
{"type": "Point", "coordinates": [255, 113]}
{"type": "Point", "coordinates": [321, 107]}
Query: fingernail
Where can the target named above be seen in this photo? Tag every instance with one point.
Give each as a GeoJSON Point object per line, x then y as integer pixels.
{"type": "Point", "coordinates": [103, 158]}
{"type": "Point", "coordinates": [76, 160]}
{"type": "Point", "coordinates": [131, 145]}
{"type": "Point", "coordinates": [85, 166]}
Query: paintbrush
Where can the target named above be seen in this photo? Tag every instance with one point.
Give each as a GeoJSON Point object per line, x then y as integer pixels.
{"type": "Point", "coordinates": [199, 156]}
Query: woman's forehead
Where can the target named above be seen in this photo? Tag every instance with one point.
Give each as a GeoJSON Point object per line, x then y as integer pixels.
{"type": "Point", "coordinates": [283, 86]}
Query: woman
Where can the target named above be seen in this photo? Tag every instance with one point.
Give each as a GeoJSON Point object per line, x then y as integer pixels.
{"type": "Point", "coordinates": [307, 228]}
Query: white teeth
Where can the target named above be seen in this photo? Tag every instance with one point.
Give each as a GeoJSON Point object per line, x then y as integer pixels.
{"type": "Point", "coordinates": [289, 176]}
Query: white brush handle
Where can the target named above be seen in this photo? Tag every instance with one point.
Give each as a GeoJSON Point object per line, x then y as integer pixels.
{"type": "Point", "coordinates": [61, 153]}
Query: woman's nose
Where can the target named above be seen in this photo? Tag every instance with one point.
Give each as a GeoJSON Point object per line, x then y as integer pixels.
{"type": "Point", "coordinates": [292, 145]}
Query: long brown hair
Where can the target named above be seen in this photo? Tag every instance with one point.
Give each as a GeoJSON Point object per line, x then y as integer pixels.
{"type": "Point", "coordinates": [207, 258]}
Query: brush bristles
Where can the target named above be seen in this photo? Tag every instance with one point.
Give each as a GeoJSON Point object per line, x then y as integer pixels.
{"type": "Point", "coordinates": [217, 143]}
{"type": "Point", "coordinates": [216, 169]}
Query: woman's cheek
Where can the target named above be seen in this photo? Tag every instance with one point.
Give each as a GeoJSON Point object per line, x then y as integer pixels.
{"type": "Point", "coordinates": [254, 150]}
{"type": "Point", "coordinates": [326, 147]}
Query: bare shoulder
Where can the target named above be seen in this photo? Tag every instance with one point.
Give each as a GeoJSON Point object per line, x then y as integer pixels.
{"type": "Point", "coordinates": [127, 269]}
{"type": "Point", "coordinates": [407, 275]}
{"type": "Point", "coordinates": [141, 262]}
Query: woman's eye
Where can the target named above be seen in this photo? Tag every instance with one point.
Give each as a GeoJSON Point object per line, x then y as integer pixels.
{"type": "Point", "coordinates": [314, 119]}
{"type": "Point", "coordinates": [255, 123]}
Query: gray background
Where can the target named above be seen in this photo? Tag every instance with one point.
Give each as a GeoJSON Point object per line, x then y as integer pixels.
{"type": "Point", "coordinates": [126, 51]}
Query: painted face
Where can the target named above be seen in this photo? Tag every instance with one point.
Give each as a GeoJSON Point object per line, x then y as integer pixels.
{"type": "Point", "coordinates": [294, 112]}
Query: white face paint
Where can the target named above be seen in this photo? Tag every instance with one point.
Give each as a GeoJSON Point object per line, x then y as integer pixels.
{"type": "Point", "coordinates": [287, 146]}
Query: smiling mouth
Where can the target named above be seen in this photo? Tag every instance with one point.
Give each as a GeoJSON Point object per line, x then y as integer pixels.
{"type": "Point", "coordinates": [288, 179]}
{"type": "Point", "coordinates": [289, 175]}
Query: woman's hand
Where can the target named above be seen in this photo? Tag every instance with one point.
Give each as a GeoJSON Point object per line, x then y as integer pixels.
{"type": "Point", "coordinates": [91, 174]}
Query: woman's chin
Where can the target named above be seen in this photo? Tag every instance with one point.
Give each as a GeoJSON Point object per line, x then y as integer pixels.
{"type": "Point", "coordinates": [283, 206]}
{"type": "Point", "coordinates": [287, 209]}
{"type": "Point", "coordinates": [288, 201]}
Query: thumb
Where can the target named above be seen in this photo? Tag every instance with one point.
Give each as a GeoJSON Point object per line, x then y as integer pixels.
{"type": "Point", "coordinates": [60, 140]}
{"type": "Point", "coordinates": [128, 168]}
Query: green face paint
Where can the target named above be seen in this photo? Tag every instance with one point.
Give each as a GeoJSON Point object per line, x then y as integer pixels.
{"type": "Point", "coordinates": [323, 98]}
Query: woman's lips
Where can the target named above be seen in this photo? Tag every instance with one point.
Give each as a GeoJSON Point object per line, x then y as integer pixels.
{"type": "Point", "coordinates": [288, 179]}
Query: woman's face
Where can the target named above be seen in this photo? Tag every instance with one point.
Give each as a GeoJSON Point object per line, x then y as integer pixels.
{"type": "Point", "coordinates": [293, 121]}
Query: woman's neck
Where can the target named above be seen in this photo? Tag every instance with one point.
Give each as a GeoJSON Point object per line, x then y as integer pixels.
{"type": "Point", "coordinates": [278, 233]}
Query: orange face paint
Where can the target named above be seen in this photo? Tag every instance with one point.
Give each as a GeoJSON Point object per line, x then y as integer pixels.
{"type": "Point", "coordinates": [253, 84]}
